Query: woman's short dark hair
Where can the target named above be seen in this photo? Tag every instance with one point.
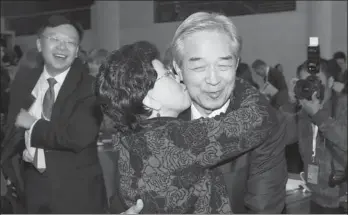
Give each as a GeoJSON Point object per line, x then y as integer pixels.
{"type": "Point", "coordinates": [124, 79]}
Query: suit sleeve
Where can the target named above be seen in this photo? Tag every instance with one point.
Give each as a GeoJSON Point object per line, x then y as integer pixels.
{"type": "Point", "coordinates": [79, 131]}
{"type": "Point", "coordinates": [241, 129]}
{"type": "Point", "coordinates": [268, 175]}
{"type": "Point", "coordinates": [281, 97]}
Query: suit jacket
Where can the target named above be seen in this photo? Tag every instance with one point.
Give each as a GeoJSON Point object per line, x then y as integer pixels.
{"type": "Point", "coordinates": [276, 78]}
{"type": "Point", "coordinates": [68, 139]}
{"type": "Point", "coordinates": [256, 179]}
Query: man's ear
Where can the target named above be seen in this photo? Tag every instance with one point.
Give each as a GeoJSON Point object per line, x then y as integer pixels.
{"type": "Point", "coordinates": [178, 70]}
{"type": "Point", "coordinates": [330, 82]}
{"type": "Point", "coordinates": [77, 52]}
{"type": "Point", "coordinates": [38, 44]}
{"type": "Point", "coordinates": [151, 103]}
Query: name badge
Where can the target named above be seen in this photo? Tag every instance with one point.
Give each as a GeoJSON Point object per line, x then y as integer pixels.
{"type": "Point", "coordinates": [313, 172]}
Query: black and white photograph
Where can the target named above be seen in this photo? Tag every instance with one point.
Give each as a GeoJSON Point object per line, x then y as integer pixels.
{"type": "Point", "coordinates": [173, 107]}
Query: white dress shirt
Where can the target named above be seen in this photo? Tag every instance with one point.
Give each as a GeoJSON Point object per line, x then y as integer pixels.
{"type": "Point", "coordinates": [195, 114]}
{"type": "Point", "coordinates": [35, 110]}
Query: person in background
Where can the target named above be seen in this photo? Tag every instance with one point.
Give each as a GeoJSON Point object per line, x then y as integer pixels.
{"type": "Point", "coordinates": [276, 79]}
{"type": "Point", "coordinates": [18, 53]}
{"type": "Point", "coordinates": [279, 67]}
{"type": "Point", "coordinates": [204, 49]}
{"type": "Point", "coordinates": [82, 55]}
{"type": "Point", "coordinates": [244, 72]}
{"type": "Point", "coordinates": [5, 88]}
{"type": "Point", "coordinates": [95, 59]}
{"type": "Point", "coordinates": [320, 128]}
{"type": "Point", "coordinates": [337, 67]}
{"type": "Point", "coordinates": [341, 60]}
{"type": "Point", "coordinates": [31, 59]}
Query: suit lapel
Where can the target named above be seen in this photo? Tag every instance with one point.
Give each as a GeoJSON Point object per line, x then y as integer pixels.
{"type": "Point", "coordinates": [29, 83]}
{"type": "Point", "coordinates": [185, 115]}
{"type": "Point", "coordinates": [23, 93]}
{"type": "Point", "coordinates": [69, 85]}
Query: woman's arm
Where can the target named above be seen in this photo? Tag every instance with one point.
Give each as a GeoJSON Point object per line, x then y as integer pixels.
{"type": "Point", "coordinates": [207, 141]}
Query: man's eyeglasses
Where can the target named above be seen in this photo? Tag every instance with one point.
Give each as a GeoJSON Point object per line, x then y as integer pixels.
{"type": "Point", "coordinates": [56, 41]}
{"type": "Point", "coordinates": [169, 74]}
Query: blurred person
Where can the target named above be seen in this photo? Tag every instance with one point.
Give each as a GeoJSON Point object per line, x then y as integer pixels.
{"type": "Point", "coordinates": [244, 72]}
{"type": "Point", "coordinates": [31, 59]}
{"type": "Point", "coordinates": [206, 50]}
{"type": "Point", "coordinates": [53, 124]}
{"type": "Point", "coordinates": [337, 67]}
{"type": "Point", "coordinates": [275, 79]}
{"type": "Point", "coordinates": [279, 67]}
{"type": "Point", "coordinates": [144, 99]}
{"type": "Point", "coordinates": [95, 59]}
{"type": "Point", "coordinates": [320, 128]}
{"type": "Point", "coordinates": [5, 87]}
{"type": "Point", "coordinates": [18, 53]}
{"type": "Point", "coordinates": [341, 60]}
{"type": "Point", "coordinates": [82, 54]}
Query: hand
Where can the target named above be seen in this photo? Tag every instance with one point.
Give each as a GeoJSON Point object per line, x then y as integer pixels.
{"type": "Point", "coordinates": [311, 107]}
{"type": "Point", "coordinates": [135, 209]}
{"type": "Point", "coordinates": [24, 119]}
{"type": "Point", "coordinates": [338, 86]}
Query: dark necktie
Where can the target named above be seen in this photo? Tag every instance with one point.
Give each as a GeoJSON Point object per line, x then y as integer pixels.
{"type": "Point", "coordinates": [49, 99]}
{"type": "Point", "coordinates": [46, 113]}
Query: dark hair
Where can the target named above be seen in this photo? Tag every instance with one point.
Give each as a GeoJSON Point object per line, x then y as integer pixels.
{"type": "Point", "coordinates": [258, 63]}
{"type": "Point", "coordinates": [323, 68]}
{"type": "Point", "coordinates": [57, 20]}
{"type": "Point", "coordinates": [123, 81]}
{"type": "Point", "coordinates": [339, 55]}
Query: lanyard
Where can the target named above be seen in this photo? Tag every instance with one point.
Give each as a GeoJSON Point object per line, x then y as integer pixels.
{"type": "Point", "coordinates": [314, 141]}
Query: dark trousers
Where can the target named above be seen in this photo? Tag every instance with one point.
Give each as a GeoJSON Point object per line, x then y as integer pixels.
{"type": "Point", "coordinates": [78, 196]}
{"type": "Point", "coordinates": [37, 191]}
{"type": "Point", "coordinates": [317, 209]}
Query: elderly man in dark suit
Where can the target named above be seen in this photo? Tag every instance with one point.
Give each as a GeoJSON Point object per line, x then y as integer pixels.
{"type": "Point", "coordinates": [276, 79]}
{"type": "Point", "coordinates": [52, 125]}
{"type": "Point", "coordinates": [205, 53]}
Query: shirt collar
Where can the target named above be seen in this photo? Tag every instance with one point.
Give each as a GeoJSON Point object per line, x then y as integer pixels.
{"type": "Point", "coordinates": [59, 78]}
{"type": "Point", "coordinates": [195, 114]}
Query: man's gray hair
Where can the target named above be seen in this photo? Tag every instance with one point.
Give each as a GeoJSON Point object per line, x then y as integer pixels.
{"type": "Point", "coordinates": [203, 21]}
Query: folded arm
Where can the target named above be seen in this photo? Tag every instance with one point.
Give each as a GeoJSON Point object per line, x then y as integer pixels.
{"type": "Point", "coordinates": [72, 133]}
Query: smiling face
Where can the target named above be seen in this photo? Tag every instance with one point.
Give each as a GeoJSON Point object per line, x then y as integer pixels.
{"type": "Point", "coordinates": [208, 69]}
{"type": "Point", "coordinates": [59, 47]}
